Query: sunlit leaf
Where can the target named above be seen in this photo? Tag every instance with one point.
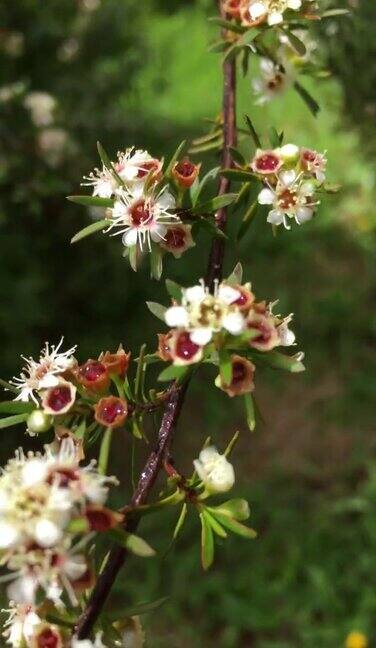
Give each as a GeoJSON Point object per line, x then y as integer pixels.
{"type": "Point", "coordinates": [236, 276]}
{"type": "Point", "coordinates": [90, 229]}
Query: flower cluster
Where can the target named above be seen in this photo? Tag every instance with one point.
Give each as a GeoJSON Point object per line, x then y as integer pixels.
{"type": "Point", "coordinates": [272, 12]}
{"type": "Point", "coordinates": [215, 471]}
{"type": "Point", "coordinates": [144, 200]}
{"type": "Point", "coordinates": [291, 176]}
{"type": "Point", "coordinates": [204, 325]}
{"type": "Point", "coordinates": [45, 500]}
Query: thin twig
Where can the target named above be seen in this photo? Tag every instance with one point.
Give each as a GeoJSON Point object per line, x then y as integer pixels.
{"type": "Point", "coordinates": [176, 398]}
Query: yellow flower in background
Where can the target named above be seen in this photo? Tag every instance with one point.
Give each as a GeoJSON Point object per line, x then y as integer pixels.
{"type": "Point", "coordinates": [356, 640]}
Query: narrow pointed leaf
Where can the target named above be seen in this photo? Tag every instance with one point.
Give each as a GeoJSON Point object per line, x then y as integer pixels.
{"type": "Point", "coordinates": [235, 526]}
{"type": "Point", "coordinates": [253, 132]}
{"type": "Point", "coordinates": [310, 102]}
{"type": "Point", "coordinates": [274, 137]}
{"type": "Point", "coordinates": [157, 309]}
{"type": "Point", "coordinates": [215, 525]}
{"type": "Point", "coordinates": [181, 520]}
{"type": "Point", "coordinates": [237, 156]}
{"type": "Point", "coordinates": [175, 158]}
{"type": "Point", "coordinates": [250, 411]}
{"type": "Point", "coordinates": [215, 203]}
{"type": "Point", "coordinates": [196, 190]}
{"type": "Point", "coordinates": [173, 373]}
{"type": "Point", "coordinates": [225, 367]}
{"type": "Point", "coordinates": [9, 421]}
{"type": "Point", "coordinates": [236, 508]}
{"type": "Point", "coordinates": [248, 220]}
{"type": "Point", "coordinates": [156, 262]}
{"type": "Point", "coordinates": [236, 276]}
{"type": "Point", "coordinates": [227, 24]}
{"type": "Point", "coordinates": [90, 229]}
{"type": "Point", "coordinates": [238, 175]}
{"type": "Point", "coordinates": [295, 42]}
{"type": "Point", "coordinates": [210, 227]}
{"type": "Point", "coordinates": [173, 289]}
{"type": "Point", "coordinates": [16, 407]}
{"type": "Point", "coordinates": [91, 201]}
{"type": "Point", "coordinates": [132, 542]}
{"type": "Point", "coordinates": [207, 542]}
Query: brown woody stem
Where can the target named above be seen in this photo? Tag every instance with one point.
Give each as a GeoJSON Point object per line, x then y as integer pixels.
{"type": "Point", "coordinates": [175, 400]}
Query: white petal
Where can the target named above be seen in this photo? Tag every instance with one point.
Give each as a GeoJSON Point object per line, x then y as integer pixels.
{"type": "Point", "coordinates": [166, 200]}
{"type": "Point", "coordinates": [23, 590]}
{"type": "Point", "coordinates": [201, 336]}
{"type": "Point", "coordinates": [75, 567]}
{"type": "Point", "coordinates": [266, 66]}
{"type": "Point", "coordinates": [129, 239]}
{"type": "Point", "coordinates": [303, 214]}
{"type": "Point", "coordinates": [257, 9]}
{"type": "Point", "coordinates": [34, 471]}
{"type": "Point", "coordinates": [47, 533]}
{"type": "Point", "coordinates": [266, 197]}
{"type": "Point", "coordinates": [9, 535]}
{"type": "Point", "coordinates": [275, 18]}
{"type": "Point", "coordinates": [228, 294]}
{"type": "Point", "coordinates": [49, 380]}
{"type": "Point", "coordinates": [307, 188]}
{"type": "Point", "coordinates": [289, 151]}
{"type": "Point", "coordinates": [294, 4]}
{"type": "Point", "coordinates": [234, 323]}
{"type": "Point", "coordinates": [288, 177]}
{"type": "Point", "coordinates": [275, 217]}
{"type": "Point", "coordinates": [158, 232]}
{"type": "Point", "coordinates": [176, 316]}
{"type": "Point", "coordinates": [195, 294]}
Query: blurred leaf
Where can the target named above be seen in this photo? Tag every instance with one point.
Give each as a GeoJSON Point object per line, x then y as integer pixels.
{"type": "Point", "coordinates": [91, 201]}
{"type": "Point", "coordinates": [307, 98]}
{"type": "Point", "coordinates": [227, 24]}
{"type": "Point", "coordinates": [225, 366]}
{"type": "Point", "coordinates": [248, 220]}
{"type": "Point", "coordinates": [207, 542]}
{"type": "Point", "coordinates": [157, 309]}
{"type": "Point", "coordinates": [236, 276]}
{"type": "Point", "coordinates": [90, 229]}
{"type": "Point", "coordinates": [180, 522]}
{"type": "Point", "coordinates": [132, 542]}
{"type": "Point", "coordinates": [173, 289]}
{"type": "Point", "coordinates": [237, 175]}
{"type": "Point", "coordinates": [235, 526]}
{"type": "Point", "coordinates": [196, 191]}
{"type": "Point", "coordinates": [16, 407]}
{"type": "Point", "coordinates": [295, 42]}
{"type": "Point", "coordinates": [253, 132]}
{"type": "Point", "coordinates": [236, 508]}
{"type": "Point", "coordinates": [237, 156]}
{"type": "Point", "coordinates": [13, 420]}
{"type": "Point", "coordinates": [274, 138]}
{"type": "Point", "coordinates": [156, 262]}
{"type": "Point", "coordinates": [173, 372]}
{"type": "Point", "coordinates": [174, 158]}
{"type": "Point", "coordinates": [215, 203]}
{"type": "Point", "coordinates": [250, 411]}
{"type": "Point", "coordinates": [211, 228]}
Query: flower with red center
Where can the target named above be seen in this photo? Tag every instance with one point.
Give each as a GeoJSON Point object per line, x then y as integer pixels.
{"type": "Point", "coordinates": [242, 377]}
{"type": "Point", "coordinates": [164, 346]}
{"type": "Point", "coordinates": [292, 197]}
{"type": "Point", "coordinates": [246, 297]}
{"type": "Point", "coordinates": [111, 411]}
{"type": "Point", "coordinates": [116, 363]}
{"type": "Point", "coordinates": [134, 166]}
{"type": "Point", "coordinates": [266, 162]}
{"type": "Point", "coordinates": [248, 19]}
{"type": "Point", "coordinates": [314, 163]}
{"type": "Point", "coordinates": [273, 81]}
{"type": "Point", "coordinates": [102, 519]}
{"type": "Point", "coordinates": [142, 215]}
{"type": "Point", "coordinates": [178, 239]}
{"type": "Point", "coordinates": [59, 400]}
{"type": "Point", "coordinates": [93, 375]}
{"type": "Point", "coordinates": [232, 7]}
{"type": "Point", "coordinates": [47, 637]}
{"type": "Point", "coordinates": [183, 350]}
{"type": "Point", "coordinates": [185, 173]}
{"type": "Point", "coordinates": [267, 337]}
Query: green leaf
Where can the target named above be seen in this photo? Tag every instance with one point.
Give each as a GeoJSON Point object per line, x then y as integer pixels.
{"type": "Point", "coordinates": [132, 254]}
{"type": "Point", "coordinates": [253, 132]}
{"type": "Point", "coordinates": [295, 42]}
{"type": "Point", "coordinates": [157, 309]}
{"type": "Point", "coordinates": [173, 372]}
{"type": "Point", "coordinates": [238, 175]}
{"type": "Point", "coordinates": [173, 289]}
{"type": "Point", "coordinates": [331, 187]}
{"type": "Point", "coordinates": [78, 525]}
{"type": "Point", "coordinates": [218, 46]}
{"type": "Point", "coordinates": [90, 229]}
{"type": "Point", "coordinates": [247, 220]}
{"type": "Point", "coordinates": [207, 542]}
{"type": "Point", "coordinates": [181, 520]}
{"type": "Point", "coordinates": [211, 146]}
{"type": "Point", "coordinates": [236, 276]}
{"type": "Point", "coordinates": [174, 158]}
{"type": "Point", "coordinates": [331, 13]}
{"type": "Point", "coordinates": [13, 420]}
{"type": "Point", "coordinates": [274, 137]}
{"type": "Point", "coordinates": [216, 527]}
{"type": "Point", "coordinates": [211, 228]}
{"type": "Point", "coordinates": [16, 407]}
{"type": "Point", "coordinates": [8, 387]}
{"type": "Point", "coordinates": [227, 24]}
{"type": "Point", "coordinates": [215, 203]}
{"type": "Point", "coordinates": [279, 360]}
{"type": "Point", "coordinates": [237, 156]}
{"type": "Point", "coordinates": [250, 411]}
{"type": "Point", "coordinates": [235, 526]}
{"type": "Point", "coordinates": [91, 201]}
{"type": "Point", "coordinates": [225, 366]}
{"type": "Point", "coordinates": [132, 542]}
{"type": "Point", "coordinates": [108, 164]}
{"type": "Point", "coordinates": [310, 102]}
{"type": "Point", "coordinates": [156, 262]}
{"type": "Point", "coordinates": [79, 432]}
{"type": "Point", "coordinates": [236, 508]}
{"type": "Point", "coordinates": [196, 190]}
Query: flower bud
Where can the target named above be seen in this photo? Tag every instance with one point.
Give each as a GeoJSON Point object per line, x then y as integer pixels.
{"type": "Point", "coordinates": [59, 400]}
{"type": "Point", "coordinates": [241, 378]}
{"type": "Point", "coordinates": [164, 349]}
{"type": "Point", "coordinates": [111, 411]}
{"type": "Point", "coordinates": [93, 375]}
{"type": "Point", "coordinates": [214, 470]}
{"type": "Point", "coordinates": [177, 240]}
{"type": "Point", "coordinates": [38, 422]}
{"type": "Point", "coordinates": [101, 518]}
{"type": "Point", "coordinates": [185, 173]}
{"type": "Point", "coordinates": [289, 152]}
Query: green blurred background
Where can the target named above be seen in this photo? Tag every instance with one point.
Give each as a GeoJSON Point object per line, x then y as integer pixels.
{"type": "Point", "coordinates": [128, 72]}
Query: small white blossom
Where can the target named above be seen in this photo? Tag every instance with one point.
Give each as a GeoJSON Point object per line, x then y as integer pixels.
{"type": "Point", "coordinates": [214, 470]}
{"type": "Point", "coordinates": [43, 374]}
{"type": "Point", "coordinates": [102, 181]}
{"type": "Point", "coordinates": [19, 628]}
{"type": "Point", "coordinates": [292, 197]}
{"type": "Point", "coordinates": [273, 81]}
{"type": "Point", "coordinates": [42, 106]}
{"type": "Point", "coordinates": [142, 217]}
{"type": "Point", "coordinates": [272, 10]}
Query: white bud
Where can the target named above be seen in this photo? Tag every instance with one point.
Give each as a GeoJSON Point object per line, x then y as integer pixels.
{"type": "Point", "coordinates": [214, 470]}
{"type": "Point", "coordinates": [47, 533]}
{"type": "Point", "coordinates": [9, 535]}
{"type": "Point", "coordinates": [38, 422]}
{"type": "Point", "coordinates": [289, 152]}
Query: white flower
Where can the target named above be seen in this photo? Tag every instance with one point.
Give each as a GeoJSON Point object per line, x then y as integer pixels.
{"type": "Point", "coordinates": [142, 217]}
{"type": "Point", "coordinates": [286, 335]}
{"type": "Point", "coordinates": [274, 80]}
{"type": "Point", "coordinates": [102, 181]}
{"type": "Point", "coordinates": [289, 152]}
{"type": "Point", "coordinates": [53, 144]}
{"type": "Point", "coordinates": [21, 625]}
{"type": "Point", "coordinates": [214, 470]}
{"type": "Point", "coordinates": [292, 197]}
{"type": "Point", "coordinates": [41, 106]}
{"type": "Point", "coordinates": [272, 10]}
{"type": "Point", "coordinates": [134, 165]}
{"type": "Point", "coordinates": [315, 163]}
{"type": "Point", "coordinates": [42, 374]}
{"type": "Point", "coordinates": [204, 314]}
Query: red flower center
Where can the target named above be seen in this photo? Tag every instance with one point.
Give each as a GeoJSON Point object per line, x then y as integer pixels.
{"type": "Point", "coordinates": [185, 348]}
{"type": "Point", "coordinates": [265, 332]}
{"type": "Point", "coordinates": [63, 477]}
{"type": "Point", "coordinates": [238, 372]}
{"type": "Point", "coordinates": [140, 213]}
{"type": "Point", "coordinates": [92, 370]}
{"type": "Point", "coordinates": [267, 163]}
{"type": "Point", "coordinates": [152, 165]}
{"type": "Point", "coordinates": [59, 398]}
{"type": "Point", "coordinates": [111, 410]}
{"type": "Point", "coordinates": [175, 238]}
{"type": "Point", "coordinates": [241, 300]}
{"type": "Point", "coordinates": [287, 199]}
{"type": "Point", "coordinates": [48, 639]}
{"type": "Point", "coordinates": [309, 156]}
{"type": "Point", "coordinates": [185, 168]}
{"type": "Point", "coordinates": [98, 519]}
